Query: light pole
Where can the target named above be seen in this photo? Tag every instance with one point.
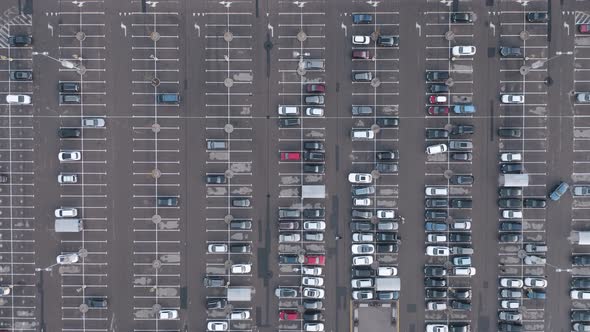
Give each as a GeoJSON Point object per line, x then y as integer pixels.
{"type": "Point", "coordinates": [64, 63]}
{"type": "Point", "coordinates": [558, 269]}
{"type": "Point", "coordinates": [45, 269]}
{"type": "Point", "coordinates": [540, 63]}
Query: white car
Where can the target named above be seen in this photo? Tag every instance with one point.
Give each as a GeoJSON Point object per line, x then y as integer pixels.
{"type": "Point", "coordinates": [361, 202]}
{"type": "Point", "coordinates": [580, 295]}
{"type": "Point", "coordinates": [363, 249]}
{"type": "Point", "coordinates": [313, 293]}
{"type": "Point", "coordinates": [463, 50]}
{"type": "Point", "coordinates": [362, 237]}
{"type": "Point", "coordinates": [512, 99]}
{"type": "Point", "coordinates": [362, 295]}
{"type": "Point", "coordinates": [69, 156]}
{"type": "Point", "coordinates": [535, 282]}
{"type": "Point", "coordinates": [511, 157]}
{"type": "Point", "coordinates": [239, 315]}
{"type": "Point", "coordinates": [93, 122]}
{"type": "Point", "coordinates": [217, 248]}
{"type": "Point", "coordinates": [361, 283]}
{"type": "Point", "coordinates": [534, 260]}
{"type": "Point", "coordinates": [361, 40]}
{"type": "Point", "coordinates": [461, 225]}
{"type": "Point", "coordinates": [360, 178]}
{"type": "Point", "coordinates": [311, 271]}
{"type": "Point", "coordinates": [385, 214]}
{"type": "Point", "coordinates": [314, 225]}
{"type": "Point", "coordinates": [314, 111]}
{"type": "Point", "coordinates": [241, 268]}
{"type": "Point", "coordinates": [289, 237]}
{"type": "Point", "coordinates": [437, 328]}
{"type": "Point", "coordinates": [436, 149]}
{"type": "Point", "coordinates": [509, 304]}
{"type": "Point", "coordinates": [362, 260]}
{"type": "Point", "coordinates": [386, 271]}
{"type": "Point", "coordinates": [217, 326]}
{"type": "Point", "coordinates": [511, 282]}
{"type": "Point", "coordinates": [313, 327]}
{"type": "Point", "coordinates": [18, 99]}
{"type": "Point", "coordinates": [436, 238]}
{"type": "Point", "coordinates": [312, 281]}
{"type": "Point", "coordinates": [512, 214]}
{"type": "Point", "coordinates": [4, 290]}
{"type": "Point", "coordinates": [67, 178]}
{"type": "Point", "coordinates": [437, 251]}
{"type": "Point", "coordinates": [169, 314]}
{"type": "Point", "coordinates": [436, 305]}
{"type": "Point", "coordinates": [69, 258]}
{"type": "Point", "coordinates": [436, 191]}
{"type": "Point", "coordinates": [66, 212]}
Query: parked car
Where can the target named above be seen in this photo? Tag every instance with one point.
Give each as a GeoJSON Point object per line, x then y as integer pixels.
{"type": "Point", "coordinates": [387, 41]}
{"type": "Point", "coordinates": [437, 134]}
{"type": "Point", "coordinates": [362, 18]}
{"type": "Point", "coordinates": [535, 203]}
{"type": "Point", "coordinates": [461, 18]}
{"type": "Point", "coordinates": [510, 157]}
{"type": "Point", "coordinates": [387, 167]}
{"type": "Point", "coordinates": [438, 88]}
{"type": "Point", "coordinates": [463, 129]}
{"type": "Point", "coordinates": [463, 50]}
{"type": "Point", "coordinates": [464, 109]}
{"type": "Point", "coordinates": [362, 110]}
{"type": "Point", "coordinates": [21, 75]}
{"type": "Point", "coordinates": [512, 99]}
{"type": "Point", "coordinates": [537, 17]}
{"type": "Point", "coordinates": [509, 192]}
{"type": "Point", "coordinates": [361, 40]}
{"type": "Point", "coordinates": [436, 76]}
{"type": "Point", "coordinates": [561, 189]}
{"type": "Point", "coordinates": [510, 52]}
{"type": "Point", "coordinates": [436, 149]}
{"type": "Point", "coordinates": [438, 110]}
{"type": "Point", "coordinates": [462, 179]}
{"type": "Point", "coordinates": [387, 122]}
{"type": "Point", "coordinates": [510, 132]}
{"type": "Point", "coordinates": [511, 168]}
{"type": "Point", "coordinates": [363, 76]}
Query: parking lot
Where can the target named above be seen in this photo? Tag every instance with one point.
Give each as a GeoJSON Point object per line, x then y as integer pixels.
{"type": "Point", "coordinates": [275, 166]}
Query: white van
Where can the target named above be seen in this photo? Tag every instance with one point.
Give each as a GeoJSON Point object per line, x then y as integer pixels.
{"type": "Point", "coordinates": [362, 134]}
{"type": "Point", "coordinates": [68, 225]}
{"type": "Point", "coordinates": [288, 110]}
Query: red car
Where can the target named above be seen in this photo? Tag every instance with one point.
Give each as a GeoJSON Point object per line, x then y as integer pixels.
{"type": "Point", "coordinates": [437, 99]}
{"type": "Point", "coordinates": [438, 110]}
{"type": "Point", "coordinates": [290, 156]}
{"type": "Point", "coordinates": [315, 88]}
{"type": "Point", "coordinates": [315, 260]}
{"type": "Point", "coordinates": [288, 315]}
{"type": "Point", "coordinates": [584, 28]}
{"type": "Point", "coordinates": [361, 54]}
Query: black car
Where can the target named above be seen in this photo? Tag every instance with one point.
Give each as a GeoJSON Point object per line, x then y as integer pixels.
{"type": "Point", "coordinates": [20, 40]}
{"type": "Point", "coordinates": [21, 75]}
{"type": "Point", "coordinates": [437, 203]}
{"type": "Point", "coordinates": [388, 296]}
{"type": "Point", "coordinates": [461, 18]}
{"type": "Point", "coordinates": [289, 122]}
{"type": "Point", "coordinates": [435, 226]}
{"type": "Point", "coordinates": [216, 179]}
{"type": "Point", "coordinates": [510, 203]}
{"type": "Point", "coordinates": [462, 156]}
{"type": "Point", "coordinates": [581, 260]}
{"type": "Point", "coordinates": [239, 248]}
{"type": "Point", "coordinates": [436, 214]}
{"type": "Point", "coordinates": [509, 327]}
{"type": "Point", "coordinates": [460, 293]}
{"type": "Point", "coordinates": [580, 283]}
{"type": "Point", "coordinates": [361, 226]}
{"type": "Point", "coordinates": [314, 213]}
{"type": "Point", "coordinates": [69, 133]}
{"type": "Point", "coordinates": [510, 132]}
{"type": "Point", "coordinates": [435, 282]}
{"type": "Point", "coordinates": [313, 168]}
{"type": "Point", "coordinates": [4, 178]}
{"type": "Point", "coordinates": [437, 76]}
{"type": "Point", "coordinates": [289, 259]}
{"type": "Point", "coordinates": [439, 88]}
{"type": "Point", "coordinates": [580, 315]}
{"type": "Point", "coordinates": [313, 316]}
{"type": "Point", "coordinates": [434, 271]}
{"type": "Point", "coordinates": [510, 192]}
{"type": "Point", "coordinates": [461, 305]}
{"type": "Point", "coordinates": [511, 52]}
{"type": "Point", "coordinates": [436, 133]}
{"type": "Point", "coordinates": [214, 282]}
{"type": "Point", "coordinates": [387, 167]}
{"type": "Point", "coordinates": [388, 122]}
{"type": "Point", "coordinates": [459, 237]}
{"type": "Point", "coordinates": [313, 304]}
{"type": "Point", "coordinates": [434, 293]}
{"type": "Point", "coordinates": [461, 203]}
{"type": "Point", "coordinates": [463, 129]}
{"type": "Point", "coordinates": [459, 327]}
{"type": "Point", "coordinates": [386, 237]}
{"type": "Point", "coordinates": [240, 224]}
{"type": "Point", "coordinates": [167, 201]}
{"type": "Point", "coordinates": [216, 304]}
{"type": "Point", "coordinates": [388, 41]}
{"type": "Point", "coordinates": [69, 87]}
{"type": "Point", "coordinates": [537, 17]}
{"type": "Point", "coordinates": [511, 168]}
{"type": "Point", "coordinates": [462, 179]}
{"type": "Point", "coordinates": [386, 248]}
{"type": "Point", "coordinates": [96, 302]}
{"type": "Point", "coordinates": [535, 203]}
{"type": "Point", "coordinates": [70, 99]}
{"type": "Point", "coordinates": [314, 156]}
{"type": "Point", "coordinates": [313, 145]}
{"type": "Point", "coordinates": [362, 18]}
{"type": "Point", "coordinates": [386, 155]}
{"type": "Point", "coordinates": [363, 272]}
{"type": "Point", "coordinates": [511, 226]}
{"type": "Point", "coordinates": [510, 238]}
